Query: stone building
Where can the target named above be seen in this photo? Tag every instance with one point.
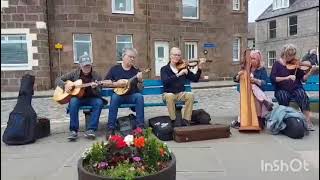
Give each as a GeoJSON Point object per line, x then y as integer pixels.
{"type": "Point", "coordinates": [102, 28]}
{"type": "Point", "coordinates": [288, 21]}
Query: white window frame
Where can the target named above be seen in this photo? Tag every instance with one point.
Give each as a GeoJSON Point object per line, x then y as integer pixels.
{"type": "Point", "coordinates": [187, 49]}
{"type": "Point", "coordinates": [120, 61]}
{"type": "Point", "coordinates": [279, 4]}
{"type": "Point", "coordinates": [238, 47]}
{"type": "Point", "coordinates": [122, 12]}
{"type": "Point", "coordinates": [75, 53]}
{"type": "Point", "coordinates": [273, 58]}
{"type": "Point", "coordinates": [289, 26]}
{"type": "Point", "coordinates": [236, 5]}
{"type": "Point", "coordinates": [30, 50]}
{"type": "Point", "coordinates": [184, 17]}
{"type": "Point", "coordinates": [317, 21]}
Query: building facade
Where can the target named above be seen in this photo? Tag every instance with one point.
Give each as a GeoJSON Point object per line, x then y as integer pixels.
{"type": "Point", "coordinates": [288, 21]}
{"type": "Point", "coordinates": [102, 28]}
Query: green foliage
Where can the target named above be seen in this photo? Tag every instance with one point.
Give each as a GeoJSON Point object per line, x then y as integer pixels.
{"type": "Point", "coordinates": [124, 170]}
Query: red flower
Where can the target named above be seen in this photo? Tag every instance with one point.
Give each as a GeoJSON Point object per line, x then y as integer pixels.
{"type": "Point", "coordinates": [137, 131]}
{"type": "Point", "coordinates": [139, 142]}
{"type": "Point", "coordinates": [162, 152]}
{"type": "Point", "coordinates": [119, 141]}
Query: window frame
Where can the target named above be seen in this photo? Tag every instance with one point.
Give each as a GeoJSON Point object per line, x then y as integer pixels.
{"type": "Point", "coordinates": [114, 11]}
{"type": "Point", "coordinates": [234, 3]}
{"type": "Point", "coordinates": [273, 58]}
{"type": "Point", "coordinates": [282, 4]}
{"type": "Point", "coordinates": [30, 50]}
{"type": "Point", "coordinates": [289, 26]}
{"type": "Point", "coordinates": [120, 61]}
{"type": "Point", "coordinates": [195, 49]}
{"type": "Point", "coordinates": [198, 11]}
{"type": "Point", "coordinates": [75, 53]}
{"type": "Point", "coordinates": [239, 49]}
{"type": "Point", "coordinates": [274, 29]}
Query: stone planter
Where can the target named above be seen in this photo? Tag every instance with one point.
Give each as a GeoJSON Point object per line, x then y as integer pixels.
{"type": "Point", "coordinates": [168, 173]}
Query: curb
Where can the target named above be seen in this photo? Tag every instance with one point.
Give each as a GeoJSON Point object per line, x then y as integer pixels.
{"type": "Point", "coordinates": [48, 96]}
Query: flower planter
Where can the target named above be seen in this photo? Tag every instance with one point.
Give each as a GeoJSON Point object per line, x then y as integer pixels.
{"type": "Point", "coordinates": [168, 173]}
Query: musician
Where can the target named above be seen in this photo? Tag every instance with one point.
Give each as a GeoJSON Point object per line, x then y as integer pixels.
{"type": "Point", "coordinates": [173, 85]}
{"type": "Point", "coordinates": [288, 82]}
{"type": "Point", "coordinates": [91, 97]}
{"type": "Point", "coordinates": [258, 78]}
{"type": "Point", "coordinates": [125, 70]}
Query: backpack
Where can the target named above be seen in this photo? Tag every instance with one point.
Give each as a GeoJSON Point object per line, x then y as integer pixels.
{"type": "Point", "coordinates": [21, 126]}
{"type": "Point", "coordinates": [294, 128]}
{"type": "Point", "coordinates": [162, 127]}
{"type": "Point", "coordinates": [126, 124]}
{"type": "Point", "coordinates": [200, 116]}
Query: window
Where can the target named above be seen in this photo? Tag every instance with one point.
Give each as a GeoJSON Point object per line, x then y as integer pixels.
{"type": "Point", "coordinates": [251, 44]}
{"type": "Point", "coordinates": [293, 25]}
{"type": "Point", "coordinates": [271, 58]}
{"type": "Point", "coordinates": [123, 41]}
{"type": "Point", "coordinates": [278, 4]}
{"type": "Point", "coordinates": [272, 29]}
{"type": "Point", "coordinates": [123, 6]}
{"type": "Point", "coordinates": [236, 5]}
{"type": "Point", "coordinates": [190, 9]}
{"type": "Point", "coordinates": [317, 21]}
{"type": "Point", "coordinates": [14, 50]}
{"type": "Point", "coordinates": [82, 44]}
{"type": "Point", "coordinates": [236, 49]}
{"type": "Point", "coordinates": [191, 50]}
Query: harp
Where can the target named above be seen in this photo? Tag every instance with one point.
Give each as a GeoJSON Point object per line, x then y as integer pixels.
{"type": "Point", "coordinates": [248, 114]}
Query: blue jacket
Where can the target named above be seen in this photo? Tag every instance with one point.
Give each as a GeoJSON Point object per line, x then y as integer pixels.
{"type": "Point", "coordinates": [274, 120]}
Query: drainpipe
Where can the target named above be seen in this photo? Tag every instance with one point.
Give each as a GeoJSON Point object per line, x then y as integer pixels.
{"type": "Point", "coordinates": [52, 84]}
{"type": "Point", "coordinates": [148, 38]}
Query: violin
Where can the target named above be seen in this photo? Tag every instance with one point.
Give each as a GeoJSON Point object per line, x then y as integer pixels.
{"type": "Point", "coordinates": [297, 64]}
{"type": "Point", "coordinates": [183, 64]}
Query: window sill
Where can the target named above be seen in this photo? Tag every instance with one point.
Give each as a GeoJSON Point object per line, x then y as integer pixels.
{"type": "Point", "coordinates": [235, 62]}
{"type": "Point", "coordinates": [123, 12]}
{"type": "Point", "coordinates": [16, 68]}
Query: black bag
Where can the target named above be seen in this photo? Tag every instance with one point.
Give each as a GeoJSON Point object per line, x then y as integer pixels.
{"type": "Point", "coordinates": [21, 126]}
{"type": "Point", "coordinates": [162, 127]}
{"type": "Point", "coordinates": [294, 128]}
{"type": "Point", "coordinates": [42, 127]}
{"type": "Point", "coordinates": [200, 116]}
{"type": "Point", "coordinates": [126, 124]}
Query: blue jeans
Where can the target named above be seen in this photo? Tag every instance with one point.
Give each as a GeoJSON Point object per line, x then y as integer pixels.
{"type": "Point", "coordinates": [74, 106]}
{"type": "Point", "coordinates": [117, 100]}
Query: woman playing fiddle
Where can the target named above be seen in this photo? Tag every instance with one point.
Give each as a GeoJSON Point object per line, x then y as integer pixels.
{"type": "Point", "coordinates": [258, 81]}
{"type": "Point", "coordinates": [288, 81]}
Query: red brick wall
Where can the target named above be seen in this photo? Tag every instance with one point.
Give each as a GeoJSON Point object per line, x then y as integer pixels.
{"type": "Point", "coordinates": [25, 14]}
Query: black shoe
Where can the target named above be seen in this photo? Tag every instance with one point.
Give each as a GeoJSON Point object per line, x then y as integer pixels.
{"type": "Point", "coordinates": [185, 122]}
{"type": "Point", "coordinates": [269, 105]}
{"type": "Point", "coordinates": [176, 123]}
{"type": "Point", "coordinates": [110, 132]}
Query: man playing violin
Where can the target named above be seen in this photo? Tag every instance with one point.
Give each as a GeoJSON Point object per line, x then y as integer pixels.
{"type": "Point", "coordinates": [174, 80]}
{"type": "Point", "coordinates": [288, 81]}
{"type": "Point", "coordinates": [91, 97]}
{"type": "Point", "coordinates": [117, 73]}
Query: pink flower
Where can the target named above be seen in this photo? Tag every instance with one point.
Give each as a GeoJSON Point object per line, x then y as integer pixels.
{"type": "Point", "coordinates": [136, 158]}
{"type": "Point", "coordinates": [102, 165]}
{"type": "Point", "coordinates": [137, 131]}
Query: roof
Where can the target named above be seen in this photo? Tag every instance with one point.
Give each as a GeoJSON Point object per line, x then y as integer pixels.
{"type": "Point", "coordinates": [295, 6]}
{"type": "Point", "coordinates": [251, 30]}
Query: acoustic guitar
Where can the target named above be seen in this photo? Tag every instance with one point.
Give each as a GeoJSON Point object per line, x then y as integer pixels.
{"type": "Point", "coordinates": [124, 90]}
{"type": "Point", "coordinates": [62, 97]}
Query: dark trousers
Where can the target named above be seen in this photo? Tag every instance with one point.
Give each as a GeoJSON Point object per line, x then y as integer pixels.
{"type": "Point", "coordinates": [299, 95]}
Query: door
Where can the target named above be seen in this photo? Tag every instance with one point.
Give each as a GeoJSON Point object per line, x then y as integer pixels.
{"type": "Point", "coordinates": [161, 53]}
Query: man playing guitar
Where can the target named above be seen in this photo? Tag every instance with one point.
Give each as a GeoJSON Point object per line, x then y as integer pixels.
{"type": "Point", "coordinates": [91, 97]}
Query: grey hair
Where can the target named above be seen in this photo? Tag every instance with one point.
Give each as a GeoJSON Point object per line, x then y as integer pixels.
{"type": "Point", "coordinates": [125, 50]}
{"type": "Point", "coordinates": [288, 50]}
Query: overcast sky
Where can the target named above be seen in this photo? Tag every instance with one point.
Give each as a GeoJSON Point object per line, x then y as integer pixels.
{"type": "Point", "coordinates": [256, 7]}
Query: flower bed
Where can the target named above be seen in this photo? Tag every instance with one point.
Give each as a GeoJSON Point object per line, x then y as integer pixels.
{"type": "Point", "coordinates": [137, 156]}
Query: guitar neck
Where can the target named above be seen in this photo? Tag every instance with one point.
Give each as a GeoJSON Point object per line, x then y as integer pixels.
{"type": "Point", "coordinates": [90, 83]}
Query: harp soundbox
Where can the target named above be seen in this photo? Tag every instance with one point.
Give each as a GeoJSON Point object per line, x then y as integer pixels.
{"type": "Point", "coordinates": [248, 114]}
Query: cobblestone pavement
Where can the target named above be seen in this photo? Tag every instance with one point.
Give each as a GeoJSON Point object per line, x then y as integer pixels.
{"type": "Point", "coordinates": [221, 103]}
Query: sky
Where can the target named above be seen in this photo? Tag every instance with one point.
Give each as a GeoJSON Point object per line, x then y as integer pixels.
{"type": "Point", "coordinates": [256, 7]}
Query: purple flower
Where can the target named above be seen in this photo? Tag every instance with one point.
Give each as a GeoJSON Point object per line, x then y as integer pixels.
{"type": "Point", "coordinates": [136, 158]}
{"type": "Point", "coordinates": [102, 165]}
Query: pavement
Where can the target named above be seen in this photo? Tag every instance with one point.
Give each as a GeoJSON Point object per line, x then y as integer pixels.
{"type": "Point", "coordinates": [241, 156]}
